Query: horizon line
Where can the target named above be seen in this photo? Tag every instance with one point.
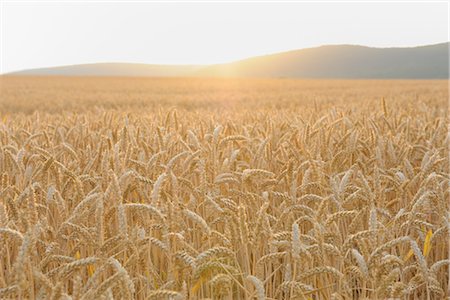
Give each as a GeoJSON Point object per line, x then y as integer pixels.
{"type": "Point", "coordinates": [215, 63]}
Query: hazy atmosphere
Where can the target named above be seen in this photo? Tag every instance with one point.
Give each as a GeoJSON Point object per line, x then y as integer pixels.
{"type": "Point", "coordinates": [226, 151]}
{"type": "Point", "coordinates": [45, 34]}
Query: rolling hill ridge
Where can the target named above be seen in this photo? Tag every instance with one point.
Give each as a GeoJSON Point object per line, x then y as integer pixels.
{"type": "Point", "coordinates": [333, 61]}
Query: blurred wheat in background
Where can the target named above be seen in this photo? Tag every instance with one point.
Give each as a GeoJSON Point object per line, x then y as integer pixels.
{"type": "Point", "coordinates": [223, 189]}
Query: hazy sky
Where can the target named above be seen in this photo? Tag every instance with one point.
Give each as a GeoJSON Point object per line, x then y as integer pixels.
{"type": "Point", "coordinates": [42, 34]}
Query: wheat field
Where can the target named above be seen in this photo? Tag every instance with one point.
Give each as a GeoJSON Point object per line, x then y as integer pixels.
{"type": "Point", "coordinates": [115, 188]}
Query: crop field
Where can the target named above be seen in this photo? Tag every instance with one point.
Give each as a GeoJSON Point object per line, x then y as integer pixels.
{"type": "Point", "coordinates": [133, 188]}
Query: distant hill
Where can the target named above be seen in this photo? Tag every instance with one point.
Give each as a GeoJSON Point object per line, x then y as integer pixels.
{"type": "Point", "coordinates": [114, 69]}
{"type": "Point", "coordinates": [343, 61]}
{"type": "Point", "coordinates": [336, 61]}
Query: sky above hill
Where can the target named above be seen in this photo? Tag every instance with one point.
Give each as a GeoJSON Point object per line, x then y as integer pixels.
{"type": "Point", "coordinates": [38, 34]}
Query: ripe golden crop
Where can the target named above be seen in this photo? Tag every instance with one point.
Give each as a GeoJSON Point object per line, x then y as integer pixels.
{"type": "Point", "coordinates": [133, 188]}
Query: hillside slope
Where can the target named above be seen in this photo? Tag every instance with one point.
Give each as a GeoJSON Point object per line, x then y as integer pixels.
{"type": "Point", "coordinates": [344, 61]}
{"type": "Point", "coordinates": [336, 61]}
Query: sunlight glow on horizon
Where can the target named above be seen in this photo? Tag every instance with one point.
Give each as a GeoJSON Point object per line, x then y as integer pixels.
{"type": "Point", "coordinates": [36, 35]}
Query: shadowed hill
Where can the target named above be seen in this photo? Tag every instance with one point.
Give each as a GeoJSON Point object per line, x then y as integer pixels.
{"type": "Point", "coordinates": [343, 61]}
{"type": "Point", "coordinates": [336, 61]}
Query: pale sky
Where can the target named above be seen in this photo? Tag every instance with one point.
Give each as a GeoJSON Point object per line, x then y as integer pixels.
{"type": "Point", "coordinates": [38, 34]}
